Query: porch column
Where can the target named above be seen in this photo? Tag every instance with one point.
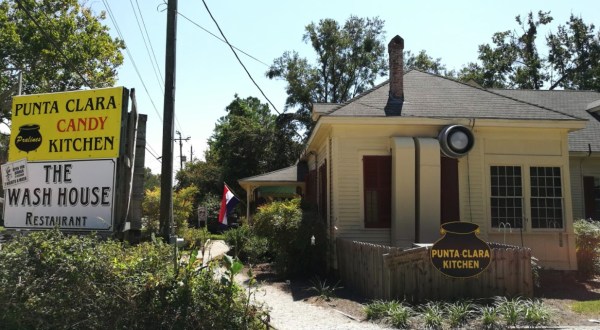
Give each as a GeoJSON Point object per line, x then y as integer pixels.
{"type": "Point", "coordinates": [249, 193]}
{"type": "Point", "coordinates": [403, 191]}
{"type": "Point", "coordinates": [428, 190]}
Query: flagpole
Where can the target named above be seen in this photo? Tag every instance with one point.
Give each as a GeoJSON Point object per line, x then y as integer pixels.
{"type": "Point", "coordinates": [234, 194]}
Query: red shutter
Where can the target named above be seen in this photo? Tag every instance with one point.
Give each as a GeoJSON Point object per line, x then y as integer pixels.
{"type": "Point", "coordinates": [588, 197]}
{"type": "Point", "coordinates": [449, 201]}
{"type": "Point", "coordinates": [377, 188]}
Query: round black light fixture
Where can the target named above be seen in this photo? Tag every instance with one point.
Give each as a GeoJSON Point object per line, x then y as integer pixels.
{"type": "Point", "coordinates": [456, 140]}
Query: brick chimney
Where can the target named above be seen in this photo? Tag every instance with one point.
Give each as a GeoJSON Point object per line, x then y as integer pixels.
{"type": "Point", "coordinates": [396, 96]}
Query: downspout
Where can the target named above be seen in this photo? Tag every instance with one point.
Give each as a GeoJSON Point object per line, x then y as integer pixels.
{"type": "Point", "coordinates": [417, 190]}
{"type": "Point", "coordinates": [332, 253]}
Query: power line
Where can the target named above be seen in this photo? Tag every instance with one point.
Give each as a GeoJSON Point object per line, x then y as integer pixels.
{"type": "Point", "coordinates": [238, 58]}
{"type": "Point", "coordinates": [53, 42]}
{"type": "Point", "coordinates": [151, 153]}
{"type": "Point", "coordinates": [158, 78]}
{"type": "Point", "coordinates": [151, 54]}
{"type": "Point", "coordinates": [148, 36]}
{"type": "Point", "coordinates": [216, 36]}
{"type": "Point", "coordinates": [113, 19]}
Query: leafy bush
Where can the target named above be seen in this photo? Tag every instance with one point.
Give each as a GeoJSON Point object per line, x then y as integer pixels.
{"type": "Point", "coordinates": [588, 246]}
{"type": "Point", "coordinates": [503, 313]}
{"type": "Point", "coordinates": [379, 309]}
{"type": "Point", "coordinates": [324, 290]}
{"type": "Point", "coordinates": [489, 317]}
{"type": "Point", "coordinates": [289, 229]}
{"type": "Point", "coordinates": [536, 314]}
{"type": "Point", "coordinates": [459, 312]}
{"type": "Point", "coordinates": [257, 249]}
{"type": "Point", "coordinates": [182, 209]}
{"type": "Point", "coordinates": [52, 281]}
{"type": "Point", "coordinates": [433, 314]}
{"type": "Point", "coordinates": [195, 237]}
{"type": "Point", "coordinates": [237, 238]}
{"type": "Point", "coordinates": [399, 317]}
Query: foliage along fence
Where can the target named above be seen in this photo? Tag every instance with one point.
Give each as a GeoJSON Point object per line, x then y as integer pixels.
{"type": "Point", "coordinates": [384, 272]}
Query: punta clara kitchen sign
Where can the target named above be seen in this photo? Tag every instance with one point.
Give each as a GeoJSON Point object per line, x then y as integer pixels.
{"type": "Point", "coordinates": [70, 125]}
{"type": "Point", "coordinates": [63, 160]}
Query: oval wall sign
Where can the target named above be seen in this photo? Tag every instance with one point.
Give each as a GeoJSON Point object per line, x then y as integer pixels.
{"type": "Point", "coordinates": [460, 253]}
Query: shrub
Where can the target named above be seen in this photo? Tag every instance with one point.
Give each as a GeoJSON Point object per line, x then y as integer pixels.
{"type": "Point", "coordinates": [288, 229]}
{"type": "Point", "coordinates": [257, 249]}
{"type": "Point", "coordinates": [399, 317]}
{"type": "Point", "coordinates": [489, 317]}
{"type": "Point", "coordinates": [379, 309]}
{"type": "Point", "coordinates": [324, 290]}
{"type": "Point", "coordinates": [237, 238]}
{"type": "Point", "coordinates": [195, 237]}
{"type": "Point", "coordinates": [588, 247]}
{"type": "Point", "coordinates": [511, 309]}
{"type": "Point", "coordinates": [433, 314]}
{"type": "Point", "coordinates": [459, 312]}
{"type": "Point", "coordinates": [52, 281]}
{"type": "Point", "coordinates": [536, 314]}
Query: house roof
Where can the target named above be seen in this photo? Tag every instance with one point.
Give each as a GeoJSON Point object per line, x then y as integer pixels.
{"type": "Point", "coordinates": [431, 96]}
{"type": "Point", "coordinates": [574, 103]}
{"type": "Point", "coordinates": [288, 174]}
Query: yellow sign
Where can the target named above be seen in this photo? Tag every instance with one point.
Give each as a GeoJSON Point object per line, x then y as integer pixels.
{"type": "Point", "coordinates": [69, 125]}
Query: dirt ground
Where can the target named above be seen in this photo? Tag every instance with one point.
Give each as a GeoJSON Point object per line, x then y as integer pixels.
{"type": "Point", "coordinates": [558, 291]}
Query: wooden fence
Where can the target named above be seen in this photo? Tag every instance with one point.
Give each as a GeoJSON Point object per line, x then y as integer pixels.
{"type": "Point", "coordinates": [384, 272]}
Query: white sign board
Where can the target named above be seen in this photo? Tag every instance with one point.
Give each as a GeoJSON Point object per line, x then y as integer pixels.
{"type": "Point", "coordinates": [71, 195]}
{"type": "Point", "coordinates": [14, 173]}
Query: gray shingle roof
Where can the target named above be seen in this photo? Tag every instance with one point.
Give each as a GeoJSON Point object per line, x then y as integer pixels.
{"type": "Point", "coordinates": [288, 174]}
{"type": "Point", "coordinates": [574, 103]}
{"type": "Point", "coordinates": [323, 108]}
{"type": "Point", "coordinates": [431, 96]}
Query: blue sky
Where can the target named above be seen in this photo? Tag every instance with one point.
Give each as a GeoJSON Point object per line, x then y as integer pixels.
{"type": "Point", "coordinates": [208, 75]}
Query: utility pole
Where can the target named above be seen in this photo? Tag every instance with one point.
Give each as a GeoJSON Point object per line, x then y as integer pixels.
{"type": "Point", "coordinates": [191, 153]}
{"type": "Point", "coordinates": [181, 157]}
{"type": "Point", "coordinates": [166, 181]}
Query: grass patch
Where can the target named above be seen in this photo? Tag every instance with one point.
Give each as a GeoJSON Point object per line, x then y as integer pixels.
{"type": "Point", "coordinates": [215, 237]}
{"type": "Point", "coordinates": [586, 307]}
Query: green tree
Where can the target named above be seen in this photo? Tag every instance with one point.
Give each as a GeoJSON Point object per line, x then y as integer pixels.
{"type": "Point", "coordinates": [349, 59]}
{"type": "Point", "coordinates": [59, 45]}
{"type": "Point", "coordinates": [423, 62]}
{"type": "Point", "coordinates": [150, 180]}
{"type": "Point", "coordinates": [204, 175]}
{"type": "Point", "coordinates": [247, 141]}
{"type": "Point", "coordinates": [513, 60]}
{"type": "Point", "coordinates": [575, 55]}
{"type": "Point", "coordinates": [183, 207]}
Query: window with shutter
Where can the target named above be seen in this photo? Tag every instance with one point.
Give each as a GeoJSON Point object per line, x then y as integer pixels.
{"type": "Point", "coordinates": [377, 190]}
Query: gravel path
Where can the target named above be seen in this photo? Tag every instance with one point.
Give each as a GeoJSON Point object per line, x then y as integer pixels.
{"type": "Point", "coordinates": [287, 314]}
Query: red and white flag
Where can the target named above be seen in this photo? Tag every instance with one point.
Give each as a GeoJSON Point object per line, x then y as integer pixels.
{"type": "Point", "coordinates": [228, 202]}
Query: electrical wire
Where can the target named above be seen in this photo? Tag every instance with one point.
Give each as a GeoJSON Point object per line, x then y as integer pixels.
{"type": "Point", "coordinates": [238, 58]}
{"type": "Point", "coordinates": [53, 42]}
{"type": "Point", "coordinates": [217, 37]}
{"type": "Point", "coordinates": [150, 54]}
{"type": "Point", "coordinates": [149, 42]}
{"type": "Point", "coordinates": [113, 19]}
{"type": "Point", "coordinates": [151, 153]}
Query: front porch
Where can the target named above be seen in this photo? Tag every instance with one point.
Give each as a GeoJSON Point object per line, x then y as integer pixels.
{"type": "Point", "coordinates": [285, 183]}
